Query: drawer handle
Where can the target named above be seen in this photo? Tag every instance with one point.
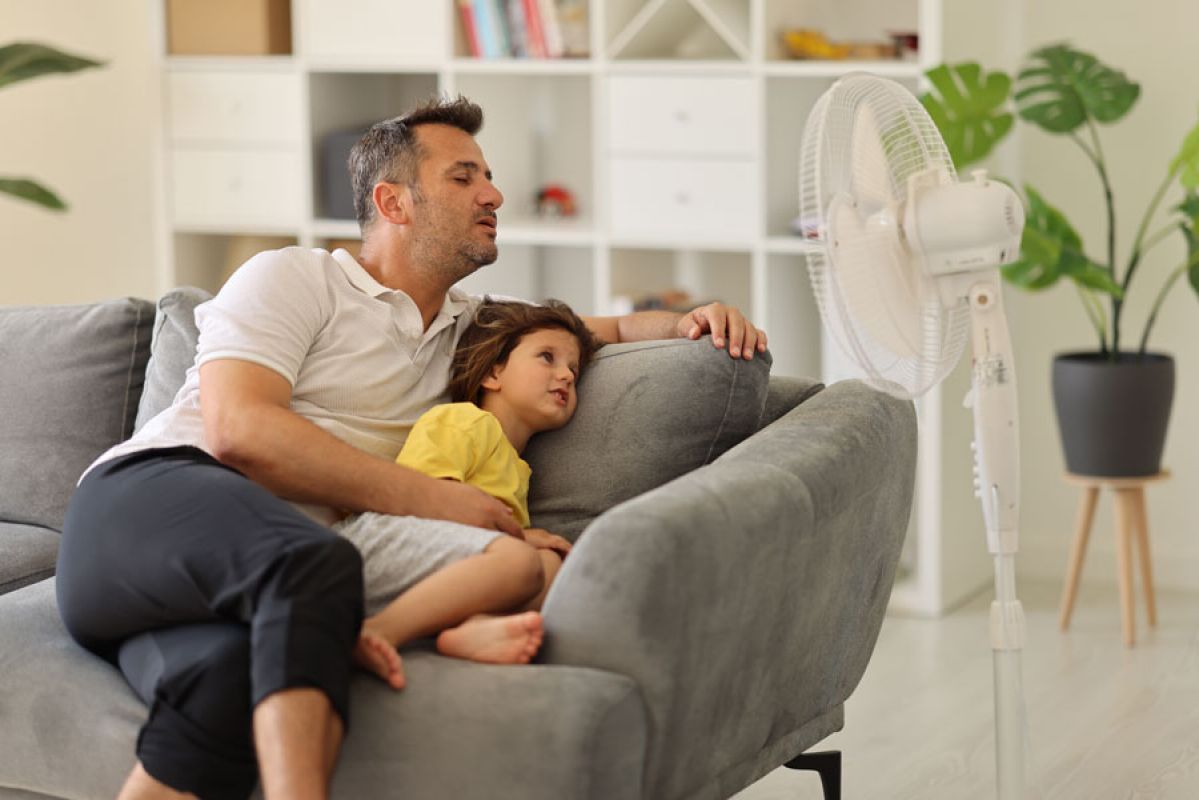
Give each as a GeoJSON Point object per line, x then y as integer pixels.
{"type": "Point", "coordinates": [682, 116]}
{"type": "Point", "coordinates": [682, 198]}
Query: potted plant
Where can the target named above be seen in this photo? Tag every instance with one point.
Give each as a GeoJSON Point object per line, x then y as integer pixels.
{"type": "Point", "coordinates": [1113, 402]}
{"type": "Point", "coordinates": [22, 61]}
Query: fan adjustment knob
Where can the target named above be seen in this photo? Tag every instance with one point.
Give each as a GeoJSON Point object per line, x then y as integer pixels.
{"type": "Point", "coordinates": [979, 175]}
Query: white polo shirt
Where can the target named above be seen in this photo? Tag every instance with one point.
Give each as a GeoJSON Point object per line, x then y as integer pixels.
{"type": "Point", "coordinates": [355, 353]}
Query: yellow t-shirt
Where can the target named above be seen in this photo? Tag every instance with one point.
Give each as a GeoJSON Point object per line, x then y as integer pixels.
{"type": "Point", "coordinates": [466, 443]}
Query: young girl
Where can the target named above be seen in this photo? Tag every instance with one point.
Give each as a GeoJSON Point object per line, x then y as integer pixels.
{"type": "Point", "coordinates": [513, 375]}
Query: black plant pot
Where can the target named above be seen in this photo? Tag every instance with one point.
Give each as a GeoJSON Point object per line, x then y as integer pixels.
{"type": "Point", "coordinates": [1113, 414]}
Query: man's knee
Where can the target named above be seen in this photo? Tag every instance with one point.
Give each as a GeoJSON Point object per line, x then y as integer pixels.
{"type": "Point", "coordinates": [322, 567]}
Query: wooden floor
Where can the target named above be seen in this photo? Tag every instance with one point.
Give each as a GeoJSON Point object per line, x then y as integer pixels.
{"type": "Point", "coordinates": [1104, 721]}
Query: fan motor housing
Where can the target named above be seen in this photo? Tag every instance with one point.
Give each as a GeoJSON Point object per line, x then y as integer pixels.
{"type": "Point", "coordinates": [963, 227]}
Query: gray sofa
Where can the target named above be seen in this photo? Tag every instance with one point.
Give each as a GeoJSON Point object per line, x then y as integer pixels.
{"type": "Point", "coordinates": [737, 538]}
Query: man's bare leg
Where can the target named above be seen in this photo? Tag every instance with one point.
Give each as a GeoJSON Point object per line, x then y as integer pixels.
{"type": "Point", "coordinates": [298, 736]}
{"type": "Point", "coordinates": [140, 785]}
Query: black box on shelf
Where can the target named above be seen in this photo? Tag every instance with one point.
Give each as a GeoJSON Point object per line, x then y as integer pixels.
{"type": "Point", "coordinates": [337, 196]}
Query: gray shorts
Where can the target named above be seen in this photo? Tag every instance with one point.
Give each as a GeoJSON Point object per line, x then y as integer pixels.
{"type": "Point", "coordinates": [399, 552]}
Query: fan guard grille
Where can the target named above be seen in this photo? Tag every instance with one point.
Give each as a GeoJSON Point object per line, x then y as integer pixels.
{"type": "Point", "coordinates": [864, 139]}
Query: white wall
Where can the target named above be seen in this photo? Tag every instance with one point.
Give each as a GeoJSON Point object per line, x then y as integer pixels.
{"type": "Point", "coordinates": [90, 136]}
{"type": "Point", "coordinates": [1154, 45]}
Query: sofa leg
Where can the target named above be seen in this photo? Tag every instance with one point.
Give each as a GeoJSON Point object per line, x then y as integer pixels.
{"type": "Point", "coordinates": [827, 765]}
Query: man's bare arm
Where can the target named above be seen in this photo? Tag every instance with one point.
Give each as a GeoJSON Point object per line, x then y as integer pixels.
{"type": "Point", "coordinates": [249, 425]}
{"type": "Point", "coordinates": [728, 326]}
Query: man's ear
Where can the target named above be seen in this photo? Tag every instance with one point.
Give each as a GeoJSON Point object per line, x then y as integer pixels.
{"type": "Point", "coordinates": [393, 202]}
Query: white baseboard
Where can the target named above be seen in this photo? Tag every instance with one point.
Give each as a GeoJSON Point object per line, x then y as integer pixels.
{"type": "Point", "coordinates": [1045, 559]}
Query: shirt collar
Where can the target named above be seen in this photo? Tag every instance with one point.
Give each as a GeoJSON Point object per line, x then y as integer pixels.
{"type": "Point", "coordinates": [359, 277]}
{"type": "Point", "coordinates": [456, 300]}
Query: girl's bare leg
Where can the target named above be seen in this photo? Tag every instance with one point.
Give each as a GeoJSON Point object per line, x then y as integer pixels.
{"type": "Point", "coordinates": [506, 576]}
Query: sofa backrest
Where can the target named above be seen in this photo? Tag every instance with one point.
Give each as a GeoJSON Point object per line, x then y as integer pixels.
{"type": "Point", "coordinates": [70, 382]}
{"type": "Point", "coordinates": [648, 412]}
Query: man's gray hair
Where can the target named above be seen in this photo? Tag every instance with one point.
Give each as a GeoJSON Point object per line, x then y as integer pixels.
{"type": "Point", "coordinates": [390, 152]}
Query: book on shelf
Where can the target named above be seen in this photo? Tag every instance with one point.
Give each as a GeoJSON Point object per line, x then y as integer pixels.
{"type": "Point", "coordinates": [525, 28]}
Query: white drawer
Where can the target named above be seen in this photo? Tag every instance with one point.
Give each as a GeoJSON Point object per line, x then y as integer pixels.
{"type": "Point", "coordinates": [684, 116]}
{"type": "Point", "coordinates": [395, 31]}
{"type": "Point", "coordinates": [237, 188]}
{"type": "Point", "coordinates": [235, 107]}
{"type": "Point", "coordinates": [668, 199]}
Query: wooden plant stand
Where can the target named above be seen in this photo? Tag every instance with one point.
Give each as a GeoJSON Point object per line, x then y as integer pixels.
{"type": "Point", "coordinates": [1132, 524]}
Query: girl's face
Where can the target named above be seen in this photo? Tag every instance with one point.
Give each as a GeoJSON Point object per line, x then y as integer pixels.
{"type": "Point", "coordinates": [538, 381]}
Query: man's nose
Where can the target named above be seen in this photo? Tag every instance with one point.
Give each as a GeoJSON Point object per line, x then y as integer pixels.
{"type": "Point", "coordinates": [492, 197]}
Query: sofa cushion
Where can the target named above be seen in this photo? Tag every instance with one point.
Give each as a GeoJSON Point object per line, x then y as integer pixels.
{"type": "Point", "coordinates": [70, 381]}
{"type": "Point", "coordinates": [27, 554]}
{"type": "Point", "coordinates": [172, 351]}
{"type": "Point", "coordinates": [462, 730]}
{"type": "Point", "coordinates": [648, 412]}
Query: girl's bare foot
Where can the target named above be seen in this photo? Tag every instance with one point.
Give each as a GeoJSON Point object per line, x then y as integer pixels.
{"type": "Point", "coordinates": [374, 654]}
{"type": "Point", "coordinates": [511, 639]}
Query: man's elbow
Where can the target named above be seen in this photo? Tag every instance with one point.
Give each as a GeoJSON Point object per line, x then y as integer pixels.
{"type": "Point", "coordinates": [234, 437]}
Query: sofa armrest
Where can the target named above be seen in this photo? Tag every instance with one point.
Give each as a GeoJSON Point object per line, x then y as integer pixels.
{"type": "Point", "coordinates": [745, 598]}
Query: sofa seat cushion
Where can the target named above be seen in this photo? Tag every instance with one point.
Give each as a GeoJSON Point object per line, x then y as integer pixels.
{"type": "Point", "coordinates": [648, 412]}
{"type": "Point", "coordinates": [462, 730]}
{"type": "Point", "coordinates": [27, 554]}
{"type": "Point", "coordinates": [70, 381]}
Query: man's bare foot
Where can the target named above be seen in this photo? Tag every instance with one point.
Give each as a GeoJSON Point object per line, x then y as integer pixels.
{"type": "Point", "coordinates": [511, 639]}
{"type": "Point", "coordinates": [374, 654]}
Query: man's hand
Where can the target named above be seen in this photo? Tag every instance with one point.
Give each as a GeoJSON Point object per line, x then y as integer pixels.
{"type": "Point", "coordinates": [544, 540]}
{"type": "Point", "coordinates": [726, 324]}
{"type": "Point", "coordinates": [461, 502]}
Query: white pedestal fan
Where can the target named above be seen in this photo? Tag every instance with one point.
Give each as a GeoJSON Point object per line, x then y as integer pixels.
{"type": "Point", "coordinates": [905, 268]}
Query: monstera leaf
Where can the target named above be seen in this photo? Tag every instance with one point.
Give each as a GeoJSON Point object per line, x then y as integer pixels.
{"type": "Point", "coordinates": [1051, 249]}
{"type": "Point", "coordinates": [967, 107]}
{"type": "Point", "coordinates": [20, 62]}
{"type": "Point", "coordinates": [1064, 87]}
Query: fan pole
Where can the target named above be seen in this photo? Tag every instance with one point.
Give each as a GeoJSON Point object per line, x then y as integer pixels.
{"type": "Point", "coordinates": [997, 482]}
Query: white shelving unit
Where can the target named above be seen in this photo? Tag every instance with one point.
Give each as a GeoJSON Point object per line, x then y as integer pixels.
{"type": "Point", "coordinates": [678, 136]}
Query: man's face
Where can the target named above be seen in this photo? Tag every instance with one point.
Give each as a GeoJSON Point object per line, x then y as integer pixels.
{"type": "Point", "coordinates": [453, 212]}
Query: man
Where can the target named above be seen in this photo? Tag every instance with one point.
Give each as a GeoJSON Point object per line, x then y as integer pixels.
{"type": "Point", "coordinates": [231, 612]}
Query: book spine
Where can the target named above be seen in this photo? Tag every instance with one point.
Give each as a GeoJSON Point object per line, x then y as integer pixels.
{"type": "Point", "coordinates": [536, 36]}
{"type": "Point", "coordinates": [470, 28]}
{"type": "Point", "coordinates": [550, 30]}
{"type": "Point", "coordinates": [488, 37]}
{"type": "Point", "coordinates": [499, 16]}
{"type": "Point", "coordinates": [517, 28]}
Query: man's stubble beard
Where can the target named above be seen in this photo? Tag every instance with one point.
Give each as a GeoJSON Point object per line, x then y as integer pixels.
{"type": "Point", "coordinates": [448, 256]}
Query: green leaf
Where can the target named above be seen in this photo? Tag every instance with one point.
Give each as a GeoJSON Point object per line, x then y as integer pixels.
{"type": "Point", "coordinates": [967, 107]}
{"type": "Point", "coordinates": [1190, 229]}
{"type": "Point", "coordinates": [1187, 160]}
{"type": "Point", "coordinates": [24, 60]}
{"type": "Point", "coordinates": [1064, 86]}
{"type": "Point", "coordinates": [1050, 249]}
{"type": "Point", "coordinates": [33, 192]}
